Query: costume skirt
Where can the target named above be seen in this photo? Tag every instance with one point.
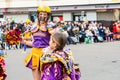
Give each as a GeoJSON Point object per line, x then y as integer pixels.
{"type": "Point", "coordinates": [32, 61]}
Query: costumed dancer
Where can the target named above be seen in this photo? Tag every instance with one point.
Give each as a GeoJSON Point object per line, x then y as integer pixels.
{"type": "Point", "coordinates": [41, 36]}
{"type": "Point", "coordinates": [3, 74]}
{"type": "Point", "coordinates": [57, 63]}
{"type": "Point", "coordinates": [27, 34]}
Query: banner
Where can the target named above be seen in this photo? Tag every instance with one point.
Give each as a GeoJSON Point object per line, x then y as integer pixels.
{"type": "Point", "coordinates": [115, 0]}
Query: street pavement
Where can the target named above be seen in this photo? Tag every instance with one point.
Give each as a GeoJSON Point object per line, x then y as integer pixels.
{"type": "Point", "coordinates": [97, 61]}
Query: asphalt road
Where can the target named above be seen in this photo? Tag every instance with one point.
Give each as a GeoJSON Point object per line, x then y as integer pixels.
{"type": "Point", "coordinates": [97, 61]}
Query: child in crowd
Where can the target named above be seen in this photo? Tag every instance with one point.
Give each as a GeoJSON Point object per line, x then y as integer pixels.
{"type": "Point", "coordinates": [57, 63]}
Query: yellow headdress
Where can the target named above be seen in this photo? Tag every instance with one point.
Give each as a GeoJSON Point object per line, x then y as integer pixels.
{"type": "Point", "coordinates": [28, 21]}
{"type": "Point", "coordinates": [44, 9]}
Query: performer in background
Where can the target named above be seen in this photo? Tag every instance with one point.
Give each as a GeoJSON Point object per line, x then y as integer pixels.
{"type": "Point", "coordinates": [27, 34]}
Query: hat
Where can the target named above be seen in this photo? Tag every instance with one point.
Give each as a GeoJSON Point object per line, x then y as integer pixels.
{"type": "Point", "coordinates": [44, 9]}
{"type": "Point", "coordinates": [28, 21]}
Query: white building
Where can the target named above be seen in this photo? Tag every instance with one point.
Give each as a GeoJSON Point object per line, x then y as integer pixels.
{"type": "Point", "coordinates": [66, 10]}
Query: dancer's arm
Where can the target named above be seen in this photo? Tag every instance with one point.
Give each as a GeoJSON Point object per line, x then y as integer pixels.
{"type": "Point", "coordinates": [28, 43]}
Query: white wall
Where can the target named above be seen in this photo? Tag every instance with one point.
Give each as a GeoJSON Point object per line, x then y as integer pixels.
{"type": "Point", "coordinates": [34, 3]}
{"type": "Point", "coordinates": [18, 17]}
{"type": "Point", "coordinates": [67, 16]}
{"type": "Point", "coordinates": [91, 15]}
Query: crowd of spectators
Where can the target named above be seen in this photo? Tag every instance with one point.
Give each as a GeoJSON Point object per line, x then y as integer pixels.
{"type": "Point", "coordinates": [76, 32]}
{"type": "Point", "coordinates": [87, 32]}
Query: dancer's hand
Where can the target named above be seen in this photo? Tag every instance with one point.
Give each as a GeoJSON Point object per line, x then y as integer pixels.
{"type": "Point", "coordinates": [28, 43]}
{"type": "Point", "coordinates": [23, 41]}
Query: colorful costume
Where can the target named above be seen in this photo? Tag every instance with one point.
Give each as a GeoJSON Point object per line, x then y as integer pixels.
{"type": "Point", "coordinates": [41, 40]}
{"type": "Point", "coordinates": [58, 66]}
{"type": "Point", "coordinates": [41, 37]}
{"type": "Point", "coordinates": [2, 62]}
{"type": "Point", "coordinates": [2, 69]}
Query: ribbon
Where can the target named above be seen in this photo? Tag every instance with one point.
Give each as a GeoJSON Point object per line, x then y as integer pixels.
{"type": "Point", "coordinates": [25, 47]}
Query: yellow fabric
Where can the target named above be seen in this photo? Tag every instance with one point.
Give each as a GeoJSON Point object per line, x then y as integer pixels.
{"type": "Point", "coordinates": [50, 30]}
{"type": "Point", "coordinates": [54, 59]}
{"type": "Point", "coordinates": [27, 35]}
{"type": "Point", "coordinates": [115, 0]}
{"type": "Point", "coordinates": [35, 55]}
{"type": "Point", "coordinates": [1, 58]}
{"type": "Point", "coordinates": [44, 9]}
{"type": "Point", "coordinates": [28, 21]}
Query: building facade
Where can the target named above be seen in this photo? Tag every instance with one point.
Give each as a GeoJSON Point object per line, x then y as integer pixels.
{"type": "Point", "coordinates": [66, 10]}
